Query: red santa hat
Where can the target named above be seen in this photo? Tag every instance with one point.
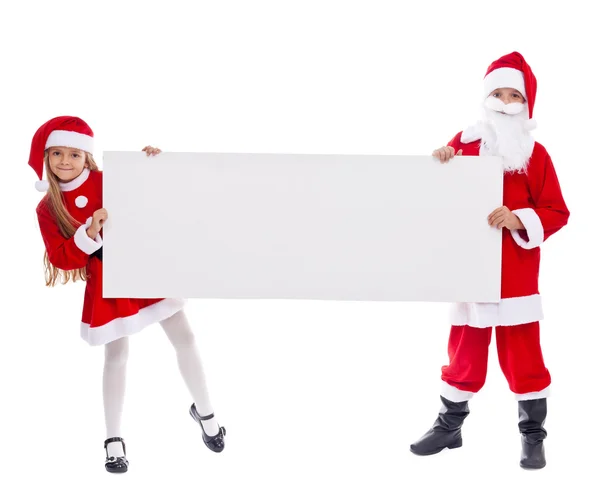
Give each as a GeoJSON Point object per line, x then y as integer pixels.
{"type": "Point", "coordinates": [513, 71]}
{"type": "Point", "coordinates": [64, 131]}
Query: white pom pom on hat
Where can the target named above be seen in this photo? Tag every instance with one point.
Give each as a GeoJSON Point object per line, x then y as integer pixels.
{"type": "Point", "coordinates": [42, 185]}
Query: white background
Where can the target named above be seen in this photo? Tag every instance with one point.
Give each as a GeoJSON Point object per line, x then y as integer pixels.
{"type": "Point", "coordinates": [310, 227]}
{"type": "Point", "coordinates": [321, 399]}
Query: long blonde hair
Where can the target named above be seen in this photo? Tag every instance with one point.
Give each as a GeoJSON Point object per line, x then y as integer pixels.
{"type": "Point", "coordinates": [66, 223]}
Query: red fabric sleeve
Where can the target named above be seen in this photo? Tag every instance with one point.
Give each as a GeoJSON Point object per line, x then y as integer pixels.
{"type": "Point", "coordinates": [66, 254]}
{"type": "Point", "coordinates": [548, 212]}
{"type": "Point", "coordinates": [455, 142]}
{"type": "Point", "coordinates": [549, 203]}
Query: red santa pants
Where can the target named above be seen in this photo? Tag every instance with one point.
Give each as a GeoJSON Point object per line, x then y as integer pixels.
{"type": "Point", "coordinates": [519, 353]}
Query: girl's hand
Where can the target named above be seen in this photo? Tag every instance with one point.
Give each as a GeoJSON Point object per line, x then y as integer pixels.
{"type": "Point", "coordinates": [503, 217]}
{"type": "Point", "coordinates": [151, 150]}
{"type": "Point", "coordinates": [98, 219]}
{"type": "Point", "coordinates": [444, 154]}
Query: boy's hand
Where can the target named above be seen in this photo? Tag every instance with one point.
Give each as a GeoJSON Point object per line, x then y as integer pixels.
{"type": "Point", "coordinates": [151, 150]}
{"type": "Point", "coordinates": [444, 154]}
{"type": "Point", "coordinates": [98, 219]}
{"type": "Point", "coordinates": [503, 217]}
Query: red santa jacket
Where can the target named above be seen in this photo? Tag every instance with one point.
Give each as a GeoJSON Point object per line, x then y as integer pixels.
{"type": "Point", "coordinates": [103, 320]}
{"type": "Point", "coordinates": [536, 198]}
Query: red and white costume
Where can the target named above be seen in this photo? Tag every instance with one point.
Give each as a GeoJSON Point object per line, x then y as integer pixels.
{"type": "Point", "coordinates": [534, 195]}
{"type": "Point", "coordinates": [103, 320]}
{"type": "Point", "coordinates": [108, 321]}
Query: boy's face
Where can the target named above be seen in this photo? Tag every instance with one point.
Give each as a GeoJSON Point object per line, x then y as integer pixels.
{"type": "Point", "coordinates": [508, 95]}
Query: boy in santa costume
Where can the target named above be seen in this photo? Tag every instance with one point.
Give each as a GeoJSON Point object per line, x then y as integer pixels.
{"type": "Point", "coordinates": [533, 210]}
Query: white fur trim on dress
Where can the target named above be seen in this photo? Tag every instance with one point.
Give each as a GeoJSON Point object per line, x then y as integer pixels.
{"type": "Point", "coordinates": [545, 393]}
{"type": "Point", "coordinates": [76, 182]}
{"type": "Point", "coordinates": [504, 77]}
{"type": "Point", "coordinates": [122, 327]}
{"type": "Point", "coordinates": [507, 312]}
{"type": "Point", "coordinates": [85, 243]}
{"type": "Point", "coordinates": [533, 226]}
{"type": "Point", "coordinates": [454, 394]}
{"type": "Point", "coordinates": [70, 139]}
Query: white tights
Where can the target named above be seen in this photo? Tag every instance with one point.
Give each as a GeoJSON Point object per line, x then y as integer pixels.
{"type": "Point", "coordinates": [115, 361]}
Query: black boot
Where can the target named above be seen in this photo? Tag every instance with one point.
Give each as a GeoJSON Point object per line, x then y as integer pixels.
{"type": "Point", "coordinates": [445, 432]}
{"type": "Point", "coordinates": [532, 415]}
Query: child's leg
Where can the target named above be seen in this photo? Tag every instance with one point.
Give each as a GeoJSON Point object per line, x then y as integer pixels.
{"type": "Point", "coordinates": [521, 360]}
{"type": "Point", "coordinates": [181, 336]}
{"type": "Point", "coordinates": [467, 368]}
{"type": "Point", "coordinates": [462, 377]}
{"type": "Point", "coordinates": [113, 383]}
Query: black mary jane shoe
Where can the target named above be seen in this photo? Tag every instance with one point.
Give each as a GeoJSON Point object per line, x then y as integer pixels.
{"type": "Point", "coordinates": [115, 464]}
{"type": "Point", "coordinates": [215, 443]}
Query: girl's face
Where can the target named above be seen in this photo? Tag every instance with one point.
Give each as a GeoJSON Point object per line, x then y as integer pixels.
{"type": "Point", "coordinates": [508, 95]}
{"type": "Point", "coordinates": [66, 163]}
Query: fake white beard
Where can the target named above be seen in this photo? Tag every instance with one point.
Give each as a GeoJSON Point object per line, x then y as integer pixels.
{"type": "Point", "coordinates": [505, 135]}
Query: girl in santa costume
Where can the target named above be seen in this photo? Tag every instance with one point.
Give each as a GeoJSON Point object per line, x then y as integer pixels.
{"type": "Point", "coordinates": [71, 217]}
{"type": "Point", "coordinates": [533, 210]}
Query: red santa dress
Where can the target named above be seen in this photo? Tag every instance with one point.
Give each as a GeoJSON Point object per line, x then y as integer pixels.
{"type": "Point", "coordinates": [103, 319]}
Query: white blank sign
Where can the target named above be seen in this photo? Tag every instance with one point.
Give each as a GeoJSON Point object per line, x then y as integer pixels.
{"type": "Point", "coordinates": [284, 226]}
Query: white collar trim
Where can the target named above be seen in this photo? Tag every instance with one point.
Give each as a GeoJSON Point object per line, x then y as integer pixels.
{"type": "Point", "coordinates": [76, 182]}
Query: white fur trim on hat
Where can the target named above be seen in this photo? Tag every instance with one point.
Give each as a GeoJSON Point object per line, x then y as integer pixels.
{"type": "Point", "coordinates": [42, 185]}
{"type": "Point", "coordinates": [504, 77]}
{"type": "Point", "coordinates": [70, 139]}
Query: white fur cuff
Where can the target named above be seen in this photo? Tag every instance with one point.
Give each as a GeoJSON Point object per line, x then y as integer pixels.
{"type": "Point", "coordinates": [545, 393]}
{"type": "Point", "coordinates": [84, 242]}
{"type": "Point", "coordinates": [533, 226]}
{"type": "Point", "coordinates": [454, 394]}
